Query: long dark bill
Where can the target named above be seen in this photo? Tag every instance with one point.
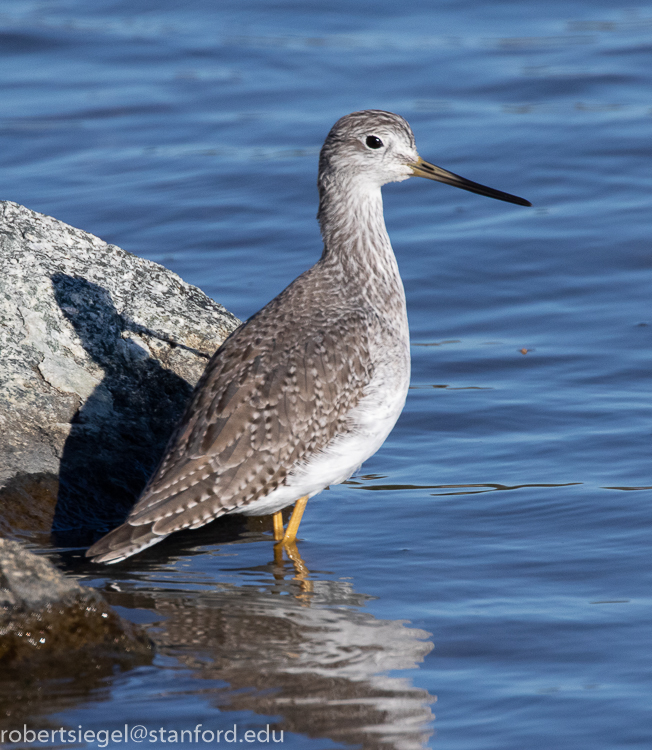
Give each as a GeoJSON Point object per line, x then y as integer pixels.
{"type": "Point", "coordinates": [431, 172]}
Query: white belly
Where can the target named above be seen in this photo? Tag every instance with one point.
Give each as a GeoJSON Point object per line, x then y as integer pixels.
{"type": "Point", "coordinates": [373, 420]}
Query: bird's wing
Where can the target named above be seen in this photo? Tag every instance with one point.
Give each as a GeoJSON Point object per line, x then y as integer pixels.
{"type": "Point", "coordinates": [260, 408]}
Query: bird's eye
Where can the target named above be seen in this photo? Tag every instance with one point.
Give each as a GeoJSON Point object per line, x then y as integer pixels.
{"type": "Point", "coordinates": [373, 141]}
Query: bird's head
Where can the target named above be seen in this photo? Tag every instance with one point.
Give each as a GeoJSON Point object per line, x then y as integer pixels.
{"type": "Point", "coordinates": [373, 147]}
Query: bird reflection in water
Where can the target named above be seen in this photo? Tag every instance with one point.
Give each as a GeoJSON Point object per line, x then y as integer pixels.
{"type": "Point", "coordinates": [281, 642]}
{"type": "Point", "coordinates": [300, 568]}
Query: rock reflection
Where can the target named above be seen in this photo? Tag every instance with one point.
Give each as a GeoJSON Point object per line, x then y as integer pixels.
{"type": "Point", "coordinates": [312, 657]}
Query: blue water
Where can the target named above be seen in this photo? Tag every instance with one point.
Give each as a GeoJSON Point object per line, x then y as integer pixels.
{"type": "Point", "coordinates": [494, 555]}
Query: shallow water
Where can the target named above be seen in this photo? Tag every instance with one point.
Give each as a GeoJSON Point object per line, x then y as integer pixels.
{"type": "Point", "coordinates": [493, 556]}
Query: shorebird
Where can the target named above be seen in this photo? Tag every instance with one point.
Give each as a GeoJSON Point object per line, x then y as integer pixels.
{"type": "Point", "coordinates": [308, 388]}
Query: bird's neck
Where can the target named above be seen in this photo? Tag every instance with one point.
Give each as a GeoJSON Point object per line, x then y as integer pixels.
{"type": "Point", "coordinates": [355, 238]}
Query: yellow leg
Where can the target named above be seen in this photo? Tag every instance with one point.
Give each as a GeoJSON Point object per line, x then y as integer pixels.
{"type": "Point", "coordinates": [293, 525]}
{"type": "Point", "coordinates": [278, 526]}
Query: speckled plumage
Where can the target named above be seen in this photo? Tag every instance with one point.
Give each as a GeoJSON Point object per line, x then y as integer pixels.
{"type": "Point", "coordinates": [311, 385]}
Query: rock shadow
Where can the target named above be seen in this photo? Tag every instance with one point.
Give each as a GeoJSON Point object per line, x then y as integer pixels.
{"type": "Point", "coordinates": [119, 434]}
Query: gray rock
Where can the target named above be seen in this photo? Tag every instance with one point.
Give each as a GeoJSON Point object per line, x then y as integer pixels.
{"type": "Point", "coordinates": [45, 618]}
{"type": "Point", "coordinates": [29, 583]}
{"type": "Point", "coordinates": [99, 353]}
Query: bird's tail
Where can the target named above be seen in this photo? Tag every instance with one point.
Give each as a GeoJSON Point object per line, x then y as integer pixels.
{"type": "Point", "coordinates": [123, 542]}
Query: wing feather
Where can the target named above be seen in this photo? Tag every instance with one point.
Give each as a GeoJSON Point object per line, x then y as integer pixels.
{"type": "Point", "coordinates": [256, 409]}
{"type": "Point", "coordinates": [277, 391]}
